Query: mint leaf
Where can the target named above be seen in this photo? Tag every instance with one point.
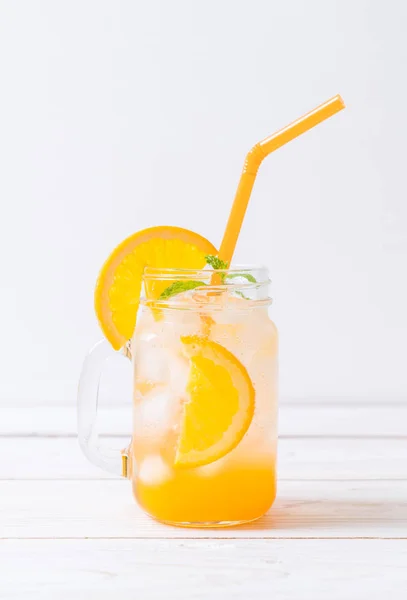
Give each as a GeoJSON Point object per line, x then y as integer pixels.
{"type": "Point", "coordinates": [215, 262]}
{"type": "Point", "coordinates": [247, 276]}
{"type": "Point", "coordinates": [241, 294]}
{"type": "Point", "coordinates": [179, 286]}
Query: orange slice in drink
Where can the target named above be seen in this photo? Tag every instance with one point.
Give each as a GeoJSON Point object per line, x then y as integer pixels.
{"type": "Point", "coordinates": [220, 406]}
{"type": "Point", "coordinates": [117, 292]}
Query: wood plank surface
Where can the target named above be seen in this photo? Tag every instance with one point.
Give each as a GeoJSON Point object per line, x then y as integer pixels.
{"type": "Point", "coordinates": [314, 420]}
{"type": "Point", "coordinates": [105, 509]}
{"type": "Point", "coordinates": [202, 569]}
{"type": "Point", "coordinates": [337, 530]}
{"type": "Point", "coordinates": [61, 458]}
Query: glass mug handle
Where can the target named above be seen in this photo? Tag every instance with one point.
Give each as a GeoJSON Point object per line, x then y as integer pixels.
{"type": "Point", "coordinates": [111, 460]}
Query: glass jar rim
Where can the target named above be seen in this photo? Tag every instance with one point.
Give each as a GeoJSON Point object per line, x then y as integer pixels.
{"type": "Point", "coordinates": [249, 283]}
{"type": "Point", "coordinates": [259, 272]}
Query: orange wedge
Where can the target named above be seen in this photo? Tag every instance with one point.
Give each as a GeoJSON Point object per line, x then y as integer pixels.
{"type": "Point", "coordinates": [118, 287]}
{"type": "Point", "coordinates": [220, 406]}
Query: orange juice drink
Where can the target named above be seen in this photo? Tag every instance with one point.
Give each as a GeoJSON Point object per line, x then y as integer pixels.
{"type": "Point", "coordinates": [205, 401]}
{"type": "Point", "coordinates": [204, 355]}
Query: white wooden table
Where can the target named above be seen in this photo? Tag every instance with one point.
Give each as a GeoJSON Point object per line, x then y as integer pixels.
{"type": "Point", "coordinates": [337, 531]}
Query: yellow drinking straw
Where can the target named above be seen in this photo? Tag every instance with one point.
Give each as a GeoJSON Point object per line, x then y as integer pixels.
{"type": "Point", "coordinates": [254, 160]}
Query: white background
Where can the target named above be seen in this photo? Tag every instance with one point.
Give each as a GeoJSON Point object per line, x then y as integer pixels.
{"type": "Point", "coordinates": [118, 115]}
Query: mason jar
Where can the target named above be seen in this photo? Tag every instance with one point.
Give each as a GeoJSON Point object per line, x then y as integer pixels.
{"type": "Point", "coordinates": [204, 432]}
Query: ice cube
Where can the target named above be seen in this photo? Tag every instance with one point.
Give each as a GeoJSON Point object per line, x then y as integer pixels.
{"type": "Point", "coordinates": [151, 362]}
{"type": "Point", "coordinates": [153, 413]}
{"type": "Point", "coordinates": [179, 374]}
{"type": "Point", "coordinates": [157, 342]}
{"type": "Point", "coordinates": [150, 343]}
{"type": "Point", "coordinates": [153, 470]}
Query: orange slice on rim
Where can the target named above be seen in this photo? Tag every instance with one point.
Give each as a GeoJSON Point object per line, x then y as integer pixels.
{"type": "Point", "coordinates": [117, 293]}
{"type": "Point", "coordinates": [220, 406]}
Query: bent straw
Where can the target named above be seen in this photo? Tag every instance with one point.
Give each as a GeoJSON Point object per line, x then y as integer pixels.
{"type": "Point", "coordinates": [253, 161]}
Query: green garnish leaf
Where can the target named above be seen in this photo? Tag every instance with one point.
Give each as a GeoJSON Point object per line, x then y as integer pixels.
{"type": "Point", "coordinates": [179, 286]}
{"type": "Point", "coordinates": [247, 276]}
{"type": "Point", "coordinates": [215, 262]}
{"type": "Point", "coordinates": [241, 294]}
